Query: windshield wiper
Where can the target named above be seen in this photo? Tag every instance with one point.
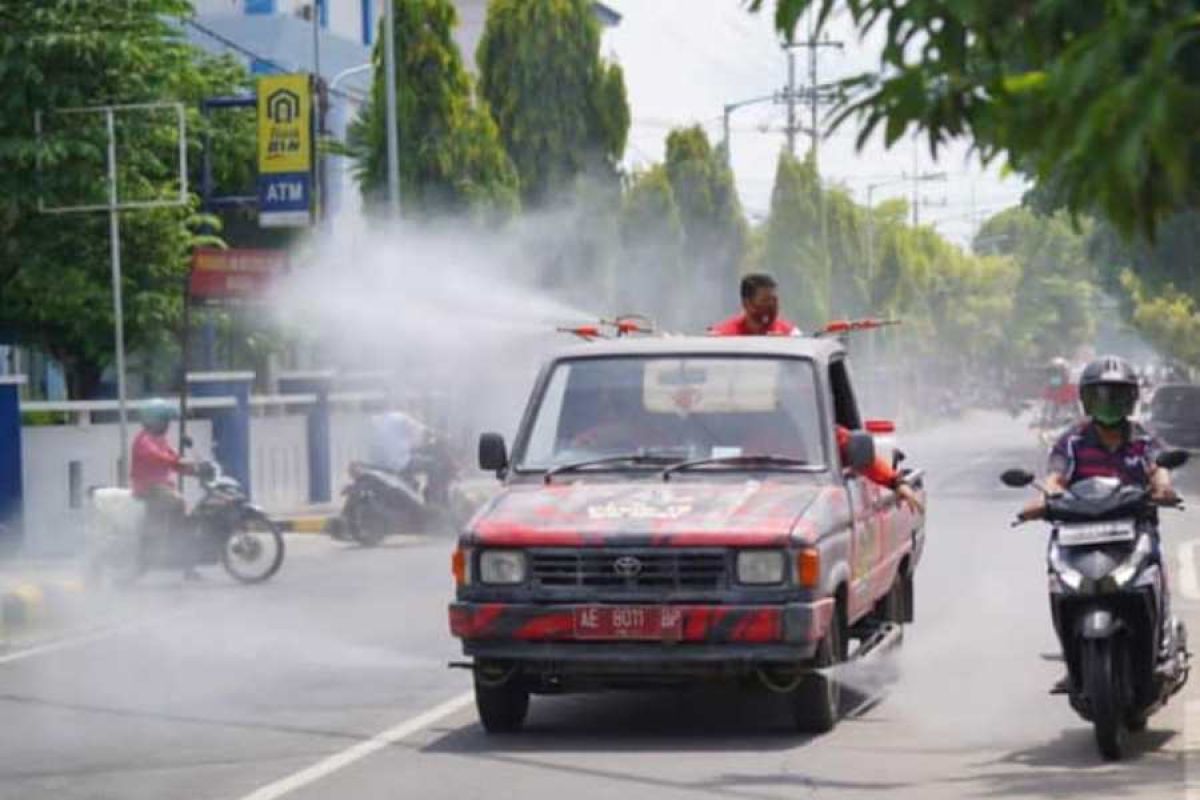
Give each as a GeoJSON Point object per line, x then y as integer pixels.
{"type": "Point", "coordinates": [755, 460]}
{"type": "Point", "coordinates": [641, 457]}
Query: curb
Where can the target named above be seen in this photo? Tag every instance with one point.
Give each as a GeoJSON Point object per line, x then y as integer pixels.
{"type": "Point", "coordinates": [27, 603]}
{"type": "Point", "coordinates": [314, 523]}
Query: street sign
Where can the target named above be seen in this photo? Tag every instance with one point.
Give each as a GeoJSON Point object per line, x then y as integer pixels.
{"type": "Point", "coordinates": [285, 151]}
{"type": "Point", "coordinates": [236, 274]}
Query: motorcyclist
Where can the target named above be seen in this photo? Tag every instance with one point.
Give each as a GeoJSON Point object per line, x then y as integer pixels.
{"type": "Point", "coordinates": [760, 317]}
{"type": "Point", "coordinates": [760, 311]}
{"type": "Point", "coordinates": [152, 468]}
{"type": "Point", "coordinates": [405, 446]}
{"type": "Point", "coordinates": [1059, 394]}
{"type": "Point", "coordinates": [1108, 444]}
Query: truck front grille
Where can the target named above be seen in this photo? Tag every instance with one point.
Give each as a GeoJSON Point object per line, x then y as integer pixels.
{"type": "Point", "coordinates": [630, 569]}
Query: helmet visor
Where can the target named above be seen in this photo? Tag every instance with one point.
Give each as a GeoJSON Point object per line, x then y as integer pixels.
{"type": "Point", "coordinates": [1109, 403]}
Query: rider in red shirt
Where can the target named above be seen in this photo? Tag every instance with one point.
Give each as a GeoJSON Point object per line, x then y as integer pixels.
{"type": "Point", "coordinates": [760, 304]}
{"type": "Point", "coordinates": [154, 465]}
{"type": "Point", "coordinates": [760, 311]}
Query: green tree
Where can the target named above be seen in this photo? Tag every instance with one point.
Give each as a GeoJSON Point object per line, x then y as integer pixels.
{"type": "Point", "coordinates": [792, 250]}
{"type": "Point", "coordinates": [55, 284]}
{"type": "Point", "coordinates": [451, 158]}
{"type": "Point", "coordinates": [1056, 294]}
{"type": "Point", "coordinates": [714, 228]}
{"type": "Point", "coordinates": [561, 109]}
{"type": "Point", "coordinates": [1103, 98]}
{"type": "Point", "coordinates": [652, 237]}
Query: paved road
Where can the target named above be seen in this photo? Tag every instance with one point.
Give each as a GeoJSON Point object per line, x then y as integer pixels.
{"type": "Point", "coordinates": [330, 682]}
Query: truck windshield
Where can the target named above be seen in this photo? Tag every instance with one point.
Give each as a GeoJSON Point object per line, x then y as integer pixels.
{"type": "Point", "coordinates": [693, 407]}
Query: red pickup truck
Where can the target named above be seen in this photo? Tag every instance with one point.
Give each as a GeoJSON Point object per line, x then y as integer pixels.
{"type": "Point", "coordinates": [678, 510]}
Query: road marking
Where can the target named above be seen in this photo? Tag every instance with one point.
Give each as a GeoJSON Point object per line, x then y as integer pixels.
{"type": "Point", "coordinates": [1189, 582]}
{"type": "Point", "coordinates": [85, 638]}
{"type": "Point", "coordinates": [357, 752]}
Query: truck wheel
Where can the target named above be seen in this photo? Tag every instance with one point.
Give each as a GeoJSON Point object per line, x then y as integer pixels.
{"type": "Point", "coordinates": [502, 707]}
{"type": "Point", "coordinates": [816, 702]}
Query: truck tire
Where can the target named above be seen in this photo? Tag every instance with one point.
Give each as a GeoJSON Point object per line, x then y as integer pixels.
{"type": "Point", "coordinates": [502, 707]}
{"type": "Point", "coordinates": [816, 701]}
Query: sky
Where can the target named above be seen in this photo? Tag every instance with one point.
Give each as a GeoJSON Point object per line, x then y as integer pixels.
{"type": "Point", "coordinates": [685, 59]}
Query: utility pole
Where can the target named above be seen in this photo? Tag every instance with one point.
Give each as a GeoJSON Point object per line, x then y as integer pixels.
{"type": "Point", "coordinates": [815, 93]}
{"type": "Point", "coordinates": [393, 141]}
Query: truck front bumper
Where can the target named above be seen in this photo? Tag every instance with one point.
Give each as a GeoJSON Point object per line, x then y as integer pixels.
{"type": "Point", "coordinates": [709, 633]}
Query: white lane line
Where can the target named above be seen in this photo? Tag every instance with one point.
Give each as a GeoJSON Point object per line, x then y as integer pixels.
{"type": "Point", "coordinates": [85, 638]}
{"type": "Point", "coordinates": [1189, 582]}
{"type": "Point", "coordinates": [361, 750]}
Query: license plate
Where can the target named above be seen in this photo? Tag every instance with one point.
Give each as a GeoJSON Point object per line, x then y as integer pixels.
{"type": "Point", "coordinates": [1095, 533]}
{"type": "Point", "coordinates": [646, 623]}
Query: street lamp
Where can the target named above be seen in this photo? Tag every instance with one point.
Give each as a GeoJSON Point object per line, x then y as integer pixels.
{"type": "Point", "coordinates": [341, 113]}
{"type": "Point", "coordinates": [729, 108]}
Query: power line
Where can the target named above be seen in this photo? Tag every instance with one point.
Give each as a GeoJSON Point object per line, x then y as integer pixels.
{"type": "Point", "coordinates": [258, 57]}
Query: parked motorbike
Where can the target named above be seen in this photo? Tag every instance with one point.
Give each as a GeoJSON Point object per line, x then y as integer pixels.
{"type": "Point", "coordinates": [381, 501]}
{"type": "Point", "coordinates": [223, 527]}
{"type": "Point", "coordinates": [1107, 591]}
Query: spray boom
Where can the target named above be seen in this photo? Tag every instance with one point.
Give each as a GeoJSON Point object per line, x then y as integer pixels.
{"type": "Point", "coordinates": [840, 327]}
{"type": "Point", "coordinates": [625, 325]}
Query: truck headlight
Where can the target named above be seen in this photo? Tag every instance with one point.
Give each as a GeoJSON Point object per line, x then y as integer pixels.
{"type": "Point", "coordinates": [760, 567]}
{"type": "Point", "coordinates": [502, 566]}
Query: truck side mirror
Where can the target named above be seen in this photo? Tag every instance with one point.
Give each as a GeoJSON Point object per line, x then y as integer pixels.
{"type": "Point", "coordinates": [860, 451]}
{"type": "Point", "coordinates": [493, 452]}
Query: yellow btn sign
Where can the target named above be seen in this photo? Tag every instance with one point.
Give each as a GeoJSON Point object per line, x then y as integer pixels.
{"type": "Point", "coordinates": [284, 124]}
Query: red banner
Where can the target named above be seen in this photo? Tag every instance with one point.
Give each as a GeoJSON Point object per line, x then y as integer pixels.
{"type": "Point", "coordinates": [234, 274]}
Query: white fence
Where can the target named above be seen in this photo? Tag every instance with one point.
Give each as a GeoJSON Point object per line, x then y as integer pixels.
{"type": "Point", "coordinates": [61, 462]}
{"type": "Point", "coordinates": [279, 461]}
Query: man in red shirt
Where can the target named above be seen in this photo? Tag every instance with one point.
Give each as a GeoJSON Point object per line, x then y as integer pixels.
{"type": "Point", "coordinates": [760, 311]}
{"type": "Point", "coordinates": [760, 317]}
{"type": "Point", "coordinates": [154, 465]}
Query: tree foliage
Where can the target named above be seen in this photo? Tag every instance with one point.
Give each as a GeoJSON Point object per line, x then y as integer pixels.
{"type": "Point", "coordinates": [793, 250]}
{"type": "Point", "coordinates": [55, 284]}
{"type": "Point", "coordinates": [451, 159]}
{"type": "Point", "coordinates": [714, 228]}
{"type": "Point", "coordinates": [560, 108]}
{"type": "Point", "coordinates": [1103, 98]}
{"type": "Point", "coordinates": [653, 272]}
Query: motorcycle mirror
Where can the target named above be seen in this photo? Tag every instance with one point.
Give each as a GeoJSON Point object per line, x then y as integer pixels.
{"type": "Point", "coordinates": [186, 443]}
{"type": "Point", "coordinates": [1016, 478]}
{"type": "Point", "coordinates": [898, 456]}
{"type": "Point", "coordinates": [1172, 459]}
{"type": "Point", "coordinates": [493, 453]}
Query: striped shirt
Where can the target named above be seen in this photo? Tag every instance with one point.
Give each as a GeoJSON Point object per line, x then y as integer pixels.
{"type": "Point", "coordinates": [1080, 455]}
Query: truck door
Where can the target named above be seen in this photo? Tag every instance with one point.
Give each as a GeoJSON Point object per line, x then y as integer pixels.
{"type": "Point", "coordinates": [865, 535]}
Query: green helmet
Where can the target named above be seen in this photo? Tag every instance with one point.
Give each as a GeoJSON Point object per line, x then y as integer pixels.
{"type": "Point", "coordinates": [157, 414]}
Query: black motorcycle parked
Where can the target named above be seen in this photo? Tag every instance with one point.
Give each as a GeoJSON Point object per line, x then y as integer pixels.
{"type": "Point", "coordinates": [381, 501]}
{"type": "Point", "coordinates": [1106, 598]}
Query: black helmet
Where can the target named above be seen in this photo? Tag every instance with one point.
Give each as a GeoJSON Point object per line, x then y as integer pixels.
{"type": "Point", "coordinates": [1108, 389]}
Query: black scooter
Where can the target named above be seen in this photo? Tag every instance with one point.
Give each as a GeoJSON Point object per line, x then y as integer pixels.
{"type": "Point", "coordinates": [1107, 592]}
{"type": "Point", "coordinates": [381, 501]}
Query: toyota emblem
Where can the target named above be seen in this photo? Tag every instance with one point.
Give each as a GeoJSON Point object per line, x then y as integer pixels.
{"type": "Point", "coordinates": [627, 566]}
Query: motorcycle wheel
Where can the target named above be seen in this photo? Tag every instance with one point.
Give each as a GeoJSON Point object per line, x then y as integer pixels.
{"type": "Point", "coordinates": [253, 552]}
{"type": "Point", "coordinates": [1102, 679]}
{"type": "Point", "coordinates": [368, 525]}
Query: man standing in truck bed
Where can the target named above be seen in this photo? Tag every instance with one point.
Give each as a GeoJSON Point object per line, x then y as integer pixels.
{"type": "Point", "coordinates": [760, 317]}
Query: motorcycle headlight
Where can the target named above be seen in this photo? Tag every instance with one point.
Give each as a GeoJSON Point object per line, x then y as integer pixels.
{"type": "Point", "coordinates": [760, 567]}
{"type": "Point", "coordinates": [1070, 576]}
{"type": "Point", "coordinates": [1132, 565]}
{"type": "Point", "coordinates": [505, 567]}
